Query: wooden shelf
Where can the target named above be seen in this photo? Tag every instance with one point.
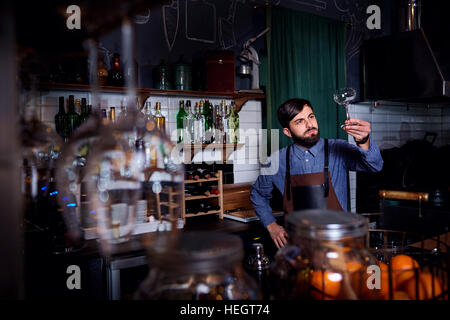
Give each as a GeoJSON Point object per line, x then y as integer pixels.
{"type": "Point", "coordinates": [202, 213]}
{"type": "Point", "coordinates": [240, 97]}
{"type": "Point", "coordinates": [201, 197]}
{"type": "Point", "coordinates": [201, 180]}
{"type": "Point", "coordinates": [219, 196]}
{"type": "Point", "coordinates": [171, 192]}
{"type": "Point", "coordinates": [172, 205]}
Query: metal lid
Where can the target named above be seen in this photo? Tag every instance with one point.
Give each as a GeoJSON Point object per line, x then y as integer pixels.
{"type": "Point", "coordinates": [199, 251]}
{"type": "Point", "coordinates": [326, 224]}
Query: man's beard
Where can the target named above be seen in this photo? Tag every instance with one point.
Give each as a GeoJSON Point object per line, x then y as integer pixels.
{"type": "Point", "coordinates": [307, 142]}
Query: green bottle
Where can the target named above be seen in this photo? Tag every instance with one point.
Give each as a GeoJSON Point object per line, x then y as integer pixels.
{"type": "Point", "coordinates": [233, 123]}
{"type": "Point", "coordinates": [84, 111]}
{"type": "Point", "coordinates": [60, 119]}
{"type": "Point", "coordinates": [72, 117]}
{"type": "Point", "coordinates": [207, 113]}
{"type": "Point", "coordinates": [180, 119]}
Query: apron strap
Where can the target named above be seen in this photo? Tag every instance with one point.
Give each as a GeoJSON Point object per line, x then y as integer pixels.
{"type": "Point", "coordinates": [288, 173]}
{"type": "Point", "coordinates": [325, 170]}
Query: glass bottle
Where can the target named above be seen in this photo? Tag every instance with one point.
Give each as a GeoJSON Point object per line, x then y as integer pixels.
{"type": "Point", "coordinates": [159, 118]}
{"type": "Point", "coordinates": [60, 119]}
{"type": "Point", "coordinates": [102, 73]}
{"type": "Point", "coordinates": [207, 112]}
{"type": "Point", "coordinates": [123, 112]}
{"type": "Point", "coordinates": [105, 119]}
{"type": "Point", "coordinates": [78, 111]}
{"type": "Point", "coordinates": [115, 75]}
{"type": "Point", "coordinates": [224, 114]}
{"type": "Point", "coordinates": [218, 125]}
{"type": "Point", "coordinates": [233, 123]}
{"type": "Point", "coordinates": [236, 124]}
{"type": "Point", "coordinates": [147, 116]}
{"type": "Point", "coordinates": [72, 117]}
{"type": "Point", "coordinates": [84, 111]}
{"type": "Point", "coordinates": [201, 265]}
{"type": "Point", "coordinates": [112, 112]}
{"type": "Point", "coordinates": [188, 124]}
{"type": "Point", "coordinates": [199, 125]}
{"type": "Point", "coordinates": [325, 258]}
{"type": "Point", "coordinates": [180, 122]}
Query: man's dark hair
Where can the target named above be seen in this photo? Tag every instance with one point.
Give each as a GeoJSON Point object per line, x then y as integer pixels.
{"type": "Point", "coordinates": [289, 109]}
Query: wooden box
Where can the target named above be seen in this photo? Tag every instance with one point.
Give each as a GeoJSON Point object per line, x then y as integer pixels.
{"type": "Point", "coordinates": [220, 71]}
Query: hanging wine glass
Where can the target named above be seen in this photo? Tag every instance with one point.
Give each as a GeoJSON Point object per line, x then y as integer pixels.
{"type": "Point", "coordinates": [343, 97]}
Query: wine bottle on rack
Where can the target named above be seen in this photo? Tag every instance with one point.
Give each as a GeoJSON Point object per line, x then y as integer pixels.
{"type": "Point", "coordinates": [204, 173]}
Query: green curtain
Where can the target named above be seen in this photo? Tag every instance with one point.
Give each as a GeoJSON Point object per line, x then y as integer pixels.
{"type": "Point", "coordinates": [306, 59]}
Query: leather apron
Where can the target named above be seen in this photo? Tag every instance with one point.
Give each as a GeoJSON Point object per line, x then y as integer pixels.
{"type": "Point", "coordinates": [309, 190]}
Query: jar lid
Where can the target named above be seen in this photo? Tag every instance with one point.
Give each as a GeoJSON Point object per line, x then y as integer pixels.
{"type": "Point", "coordinates": [199, 251]}
{"type": "Point", "coordinates": [320, 224]}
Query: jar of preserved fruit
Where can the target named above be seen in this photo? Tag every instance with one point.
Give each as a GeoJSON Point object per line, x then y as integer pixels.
{"type": "Point", "coordinates": [199, 265]}
{"type": "Point", "coordinates": [325, 258]}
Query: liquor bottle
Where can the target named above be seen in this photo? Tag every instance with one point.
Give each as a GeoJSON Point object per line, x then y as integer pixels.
{"type": "Point", "coordinates": [115, 75]}
{"type": "Point", "coordinates": [60, 119]}
{"type": "Point", "coordinates": [72, 117]}
{"type": "Point", "coordinates": [207, 112]}
{"type": "Point", "coordinates": [232, 132]}
{"type": "Point", "coordinates": [84, 111]}
{"type": "Point", "coordinates": [217, 126]}
{"type": "Point", "coordinates": [225, 124]}
{"type": "Point", "coordinates": [102, 73]}
{"type": "Point", "coordinates": [199, 125]}
{"type": "Point", "coordinates": [180, 122]}
{"type": "Point", "coordinates": [147, 116]}
{"type": "Point", "coordinates": [78, 106]}
{"type": "Point", "coordinates": [236, 123]}
{"type": "Point", "coordinates": [123, 111]}
{"type": "Point", "coordinates": [188, 124]}
{"type": "Point", "coordinates": [112, 114]}
{"type": "Point", "coordinates": [159, 118]}
{"type": "Point", "coordinates": [105, 119]}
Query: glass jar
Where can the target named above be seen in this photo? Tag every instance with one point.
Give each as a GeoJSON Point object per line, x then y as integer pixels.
{"type": "Point", "coordinates": [325, 258]}
{"type": "Point", "coordinates": [199, 265]}
{"type": "Point", "coordinates": [182, 76]}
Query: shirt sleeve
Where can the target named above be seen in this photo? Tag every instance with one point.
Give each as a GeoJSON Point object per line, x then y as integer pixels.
{"type": "Point", "coordinates": [358, 159]}
{"type": "Point", "coordinates": [260, 196]}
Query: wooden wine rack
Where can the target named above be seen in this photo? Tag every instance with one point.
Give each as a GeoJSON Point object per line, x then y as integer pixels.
{"type": "Point", "coordinates": [219, 196]}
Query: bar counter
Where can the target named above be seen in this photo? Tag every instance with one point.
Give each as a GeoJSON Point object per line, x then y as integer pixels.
{"type": "Point", "coordinates": [107, 277]}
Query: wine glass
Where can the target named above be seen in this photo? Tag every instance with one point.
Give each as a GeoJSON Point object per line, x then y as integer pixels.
{"type": "Point", "coordinates": [343, 97]}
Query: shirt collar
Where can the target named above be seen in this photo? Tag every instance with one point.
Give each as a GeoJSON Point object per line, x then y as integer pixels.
{"type": "Point", "coordinates": [314, 150]}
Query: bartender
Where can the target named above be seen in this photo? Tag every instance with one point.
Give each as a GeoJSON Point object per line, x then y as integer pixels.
{"type": "Point", "coordinates": [315, 177]}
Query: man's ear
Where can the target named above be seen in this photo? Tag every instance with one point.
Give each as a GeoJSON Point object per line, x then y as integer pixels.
{"type": "Point", "coordinates": [287, 132]}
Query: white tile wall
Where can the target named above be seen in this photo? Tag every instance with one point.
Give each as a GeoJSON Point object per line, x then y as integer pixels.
{"type": "Point", "coordinates": [394, 125]}
{"type": "Point", "coordinates": [245, 160]}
